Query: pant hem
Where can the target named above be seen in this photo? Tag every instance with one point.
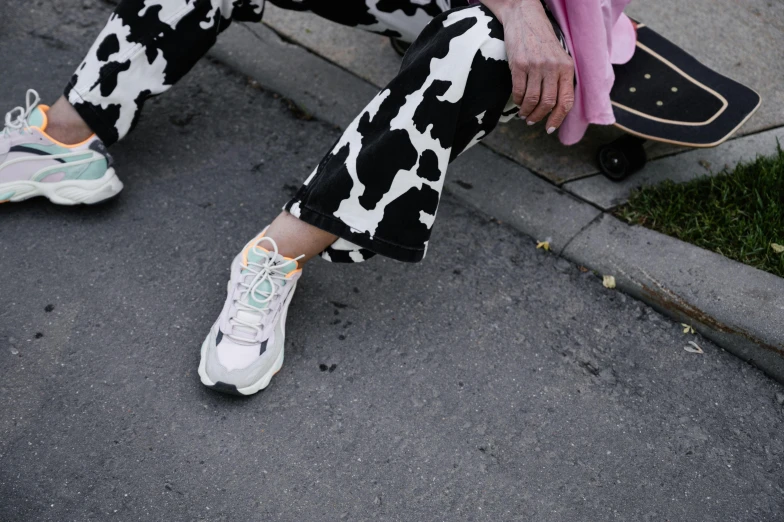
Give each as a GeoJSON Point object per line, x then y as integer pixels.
{"type": "Point", "coordinates": [374, 244]}
{"type": "Point", "coordinates": [105, 131]}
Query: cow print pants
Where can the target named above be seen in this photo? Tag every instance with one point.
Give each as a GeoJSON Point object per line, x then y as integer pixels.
{"type": "Point", "coordinates": [378, 188]}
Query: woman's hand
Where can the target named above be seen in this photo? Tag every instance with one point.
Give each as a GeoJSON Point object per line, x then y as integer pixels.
{"type": "Point", "coordinates": [542, 72]}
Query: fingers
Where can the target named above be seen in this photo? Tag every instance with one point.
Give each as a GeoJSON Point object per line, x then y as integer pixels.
{"type": "Point", "coordinates": [530, 98]}
{"type": "Point", "coordinates": [546, 101]}
{"type": "Point", "coordinates": [544, 87]}
{"type": "Point", "coordinates": [564, 104]}
{"type": "Point", "coordinates": [519, 82]}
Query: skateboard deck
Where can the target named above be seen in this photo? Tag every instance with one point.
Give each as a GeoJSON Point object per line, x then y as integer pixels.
{"type": "Point", "coordinates": [664, 94]}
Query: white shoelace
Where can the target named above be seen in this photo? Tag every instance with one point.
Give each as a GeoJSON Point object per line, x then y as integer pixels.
{"type": "Point", "coordinates": [269, 271]}
{"type": "Point", "coordinates": [16, 118]}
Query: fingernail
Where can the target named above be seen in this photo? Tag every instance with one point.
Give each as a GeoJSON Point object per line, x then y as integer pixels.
{"type": "Point", "coordinates": [551, 130]}
{"type": "Point", "coordinates": [529, 122]}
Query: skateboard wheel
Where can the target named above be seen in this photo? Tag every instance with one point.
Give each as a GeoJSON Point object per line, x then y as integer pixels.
{"type": "Point", "coordinates": [399, 46]}
{"type": "Point", "coordinates": [621, 158]}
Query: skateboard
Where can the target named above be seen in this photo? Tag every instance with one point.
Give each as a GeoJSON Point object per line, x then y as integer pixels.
{"type": "Point", "coordinates": [664, 94]}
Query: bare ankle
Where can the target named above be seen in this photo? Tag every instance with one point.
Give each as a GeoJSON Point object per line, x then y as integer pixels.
{"type": "Point", "coordinates": [65, 125]}
{"type": "Point", "coordinates": [295, 237]}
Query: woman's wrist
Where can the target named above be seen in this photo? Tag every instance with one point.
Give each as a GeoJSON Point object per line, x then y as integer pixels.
{"type": "Point", "coordinates": [503, 8]}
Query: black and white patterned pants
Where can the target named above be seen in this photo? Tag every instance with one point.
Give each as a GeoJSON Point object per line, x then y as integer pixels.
{"type": "Point", "coordinates": [378, 188]}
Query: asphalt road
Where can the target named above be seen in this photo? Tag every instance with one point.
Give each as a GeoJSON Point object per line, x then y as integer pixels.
{"type": "Point", "coordinates": [493, 381]}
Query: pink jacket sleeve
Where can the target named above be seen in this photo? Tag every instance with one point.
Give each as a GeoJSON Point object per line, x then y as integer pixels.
{"type": "Point", "coordinates": [598, 34]}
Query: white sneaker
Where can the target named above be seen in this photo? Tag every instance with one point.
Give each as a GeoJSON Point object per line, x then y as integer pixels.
{"type": "Point", "coordinates": [32, 163]}
{"type": "Point", "coordinates": [244, 348]}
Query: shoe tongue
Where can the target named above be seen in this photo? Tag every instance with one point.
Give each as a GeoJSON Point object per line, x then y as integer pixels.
{"type": "Point", "coordinates": [37, 118]}
{"type": "Point", "coordinates": [260, 256]}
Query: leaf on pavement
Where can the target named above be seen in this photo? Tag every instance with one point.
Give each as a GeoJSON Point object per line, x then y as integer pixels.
{"type": "Point", "coordinates": [543, 244]}
{"type": "Point", "coordinates": [608, 281]}
{"type": "Point", "coordinates": [687, 328]}
{"type": "Point", "coordinates": [694, 348]}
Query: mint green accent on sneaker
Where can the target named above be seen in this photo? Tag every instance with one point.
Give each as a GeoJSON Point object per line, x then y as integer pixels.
{"type": "Point", "coordinates": [259, 256]}
{"type": "Point", "coordinates": [72, 172]}
{"type": "Point", "coordinates": [7, 195]}
{"type": "Point", "coordinates": [78, 171]}
{"type": "Point", "coordinates": [94, 170]}
{"type": "Point", "coordinates": [263, 291]}
{"type": "Point", "coordinates": [36, 118]}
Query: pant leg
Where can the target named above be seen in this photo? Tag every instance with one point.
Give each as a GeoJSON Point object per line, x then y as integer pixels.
{"type": "Point", "coordinates": [149, 45]}
{"type": "Point", "coordinates": [379, 187]}
{"type": "Point", "coordinates": [403, 19]}
{"type": "Point", "coordinates": [145, 48]}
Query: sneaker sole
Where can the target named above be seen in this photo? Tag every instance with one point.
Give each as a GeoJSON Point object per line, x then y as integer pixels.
{"type": "Point", "coordinates": [73, 192]}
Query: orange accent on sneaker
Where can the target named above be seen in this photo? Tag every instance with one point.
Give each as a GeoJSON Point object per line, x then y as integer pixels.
{"type": "Point", "coordinates": [252, 243]}
{"type": "Point", "coordinates": [42, 130]}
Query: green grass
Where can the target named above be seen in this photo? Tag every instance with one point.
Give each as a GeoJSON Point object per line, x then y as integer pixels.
{"type": "Point", "coordinates": [738, 214]}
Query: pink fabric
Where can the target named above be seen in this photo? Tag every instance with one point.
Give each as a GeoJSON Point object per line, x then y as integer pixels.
{"type": "Point", "coordinates": [598, 35]}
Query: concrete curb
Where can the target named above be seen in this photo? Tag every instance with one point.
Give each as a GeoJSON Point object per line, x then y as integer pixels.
{"type": "Point", "coordinates": [739, 307]}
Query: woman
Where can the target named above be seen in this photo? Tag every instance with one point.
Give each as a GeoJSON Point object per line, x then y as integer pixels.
{"type": "Point", "coordinates": [377, 190]}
